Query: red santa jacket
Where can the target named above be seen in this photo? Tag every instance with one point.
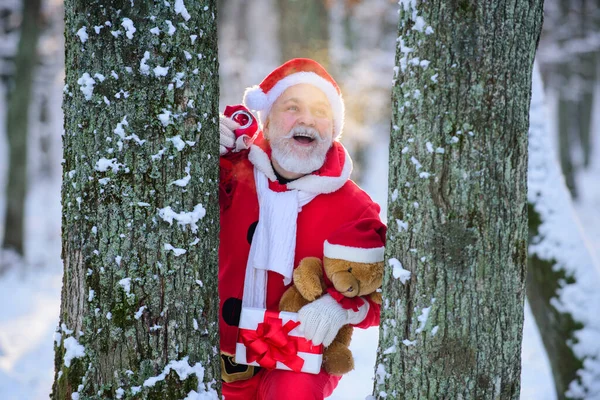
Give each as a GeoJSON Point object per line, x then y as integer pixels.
{"type": "Point", "coordinates": [339, 201]}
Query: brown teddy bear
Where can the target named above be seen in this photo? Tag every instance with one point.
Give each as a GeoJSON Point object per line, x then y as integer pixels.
{"type": "Point", "coordinates": [347, 272]}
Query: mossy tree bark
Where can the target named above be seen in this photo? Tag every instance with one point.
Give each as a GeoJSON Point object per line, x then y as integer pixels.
{"type": "Point", "coordinates": [457, 203]}
{"type": "Point", "coordinates": [139, 311]}
{"type": "Point", "coordinates": [17, 127]}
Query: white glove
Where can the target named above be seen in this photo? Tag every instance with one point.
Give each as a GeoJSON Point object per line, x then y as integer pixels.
{"type": "Point", "coordinates": [227, 137]}
{"type": "Point", "coordinates": [227, 140]}
{"type": "Point", "coordinates": [323, 318]}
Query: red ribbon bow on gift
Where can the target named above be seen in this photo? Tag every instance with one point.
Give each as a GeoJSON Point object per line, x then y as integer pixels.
{"type": "Point", "coordinates": [270, 343]}
{"type": "Point", "coordinates": [346, 302]}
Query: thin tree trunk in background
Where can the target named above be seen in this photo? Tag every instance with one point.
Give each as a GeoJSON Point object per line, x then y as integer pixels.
{"type": "Point", "coordinates": [556, 328]}
{"type": "Point", "coordinates": [17, 127]}
{"type": "Point", "coordinates": [304, 30]}
{"type": "Point", "coordinates": [588, 66]}
{"type": "Point", "coordinates": [457, 201]}
{"type": "Point", "coordinates": [139, 310]}
{"type": "Point", "coordinates": [566, 126]}
{"type": "Point", "coordinates": [562, 278]}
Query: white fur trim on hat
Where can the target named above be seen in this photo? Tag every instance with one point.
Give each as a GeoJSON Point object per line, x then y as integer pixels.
{"type": "Point", "coordinates": [353, 254]}
{"type": "Point", "coordinates": [255, 99]}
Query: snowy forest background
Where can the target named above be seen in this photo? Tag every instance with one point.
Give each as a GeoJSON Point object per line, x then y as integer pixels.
{"type": "Point", "coordinates": [356, 41]}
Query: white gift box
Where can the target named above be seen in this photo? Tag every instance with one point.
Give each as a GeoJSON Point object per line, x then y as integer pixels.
{"type": "Point", "coordinates": [272, 339]}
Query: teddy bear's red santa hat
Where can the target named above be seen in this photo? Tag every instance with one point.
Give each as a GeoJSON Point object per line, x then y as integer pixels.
{"type": "Point", "coordinates": [296, 71]}
{"type": "Point", "coordinates": [361, 241]}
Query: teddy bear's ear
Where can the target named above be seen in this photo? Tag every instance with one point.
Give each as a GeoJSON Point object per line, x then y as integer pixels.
{"type": "Point", "coordinates": [376, 298]}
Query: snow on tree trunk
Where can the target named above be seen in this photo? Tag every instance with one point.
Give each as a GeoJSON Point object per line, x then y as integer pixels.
{"type": "Point", "coordinates": [17, 127]}
{"type": "Point", "coordinates": [563, 276]}
{"type": "Point", "coordinates": [139, 305]}
{"type": "Point", "coordinates": [452, 316]}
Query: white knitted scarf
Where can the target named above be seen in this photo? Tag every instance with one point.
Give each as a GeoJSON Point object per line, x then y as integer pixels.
{"type": "Point", "coordinates": [273, 245]}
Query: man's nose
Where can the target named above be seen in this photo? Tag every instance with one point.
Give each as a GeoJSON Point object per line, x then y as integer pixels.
{"type": "Point", "coordinates": [306, 118]}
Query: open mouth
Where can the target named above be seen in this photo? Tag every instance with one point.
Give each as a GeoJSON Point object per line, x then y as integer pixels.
{"type": "Point", "coordinates": [303, 138]}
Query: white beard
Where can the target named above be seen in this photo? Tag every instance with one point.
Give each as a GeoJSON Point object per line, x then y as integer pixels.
{"type": "Point", "coordinates": [297, 159]}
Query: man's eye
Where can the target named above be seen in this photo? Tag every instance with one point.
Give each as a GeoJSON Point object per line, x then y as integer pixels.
{"type": "Point", "coordinates": [320, 113]}
{"type": "Point", "coordinates": [293, 108]}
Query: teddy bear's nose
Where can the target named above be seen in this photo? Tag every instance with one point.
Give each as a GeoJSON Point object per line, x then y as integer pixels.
{"type": "Point", "coordinates": [350, 289]}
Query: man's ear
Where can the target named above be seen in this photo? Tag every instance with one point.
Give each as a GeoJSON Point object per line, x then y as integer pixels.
{"type": "Point", "coordinates": [266, 129]}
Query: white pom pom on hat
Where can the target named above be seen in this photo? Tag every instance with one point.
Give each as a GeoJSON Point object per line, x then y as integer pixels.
{"type": "Point", "coordinates": [296, 71]}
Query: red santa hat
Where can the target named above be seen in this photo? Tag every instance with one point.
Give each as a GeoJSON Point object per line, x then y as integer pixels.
{"type": "Point", "coordinates": [361, 241]}
{"type": "Point", "coordinates": [298, 70]}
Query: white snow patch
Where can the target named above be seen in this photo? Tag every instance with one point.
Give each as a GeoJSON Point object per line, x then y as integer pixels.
{"type": "Point", "coordinates": [183, 218]}
{"type": "Point", "coordinates": [172, 28]}
{"type": "Point", "coordinates": [86, 85]}
{"type": "Point", "coordinates": [181, 367]}
{"type": "Point", "coordinates": [82, 33]}
{"type": "Point", "coordinates": [177, 142]}
{"type": "Point", "coordinates": [398, 271]}
{"type": "Point", "coordinates": [161, 71]}
{"type": "Point", "coordinates": [144, 68]}
{"type": "Point", "coordinates": [126, 285]}
{"type": "Point", "coordinates": [419, 24]}
{"type": "Point", "coordinates": [175, 250]}
{"type": "Point", "coordinates": [180, 9]}
{"type": "Point", "coordinates": [165, 118]}
{"type": "Point", "coordinates": [119, 129]}
{"type": "Point", "coordinates": [139, 312]}
{"type": "Point", "coordinates": [72, 350]}
{"type": "Point", "coordinates": [416, 163]}
{"type": "Point", "coordinates": [423, 319]}
{"type": "Point", "coordinates": [104, 164]}
{"type": "Point", "coordinates": [129, 28]}
{"type": "Point", "coordinates": [185, 180]}
{"type": "Point", "coordinates": [402, 226]}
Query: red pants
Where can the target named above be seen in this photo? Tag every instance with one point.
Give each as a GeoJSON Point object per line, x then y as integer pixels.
{"type": "Point", "coordinates": [279, 384]}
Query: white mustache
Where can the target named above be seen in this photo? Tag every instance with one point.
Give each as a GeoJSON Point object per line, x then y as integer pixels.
{"type": "Point", "coordinates": [301, 130]}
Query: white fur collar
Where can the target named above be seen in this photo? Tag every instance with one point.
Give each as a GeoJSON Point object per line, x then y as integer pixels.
{"type": "Point", "coordinates": [310, 183]}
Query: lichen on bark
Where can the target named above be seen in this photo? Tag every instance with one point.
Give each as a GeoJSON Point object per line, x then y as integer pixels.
{"type": "Point", "coordinates": [457, 200]}
{"type": "Point", "coordinates": [140, 282]}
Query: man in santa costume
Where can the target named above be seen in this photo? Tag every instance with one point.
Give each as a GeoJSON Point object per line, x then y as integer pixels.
{"type": "Point", "coordinates": [281, 198]}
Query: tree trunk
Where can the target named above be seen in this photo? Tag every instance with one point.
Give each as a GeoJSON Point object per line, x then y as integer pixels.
{"type": "Point", "coordinates": [17, 126]}
{"type": "Point", "coordinates": [139, 307]}
{"type": "Point", "coordinates": [562, 279]}
{"type": "Point", "coordinates": [457, 205]}
{"type": "Point", "coordinates": [304, 30]}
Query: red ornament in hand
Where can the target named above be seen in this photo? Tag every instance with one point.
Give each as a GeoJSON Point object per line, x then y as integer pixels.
{"type": "Point", "coordinates": [248, 123]}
